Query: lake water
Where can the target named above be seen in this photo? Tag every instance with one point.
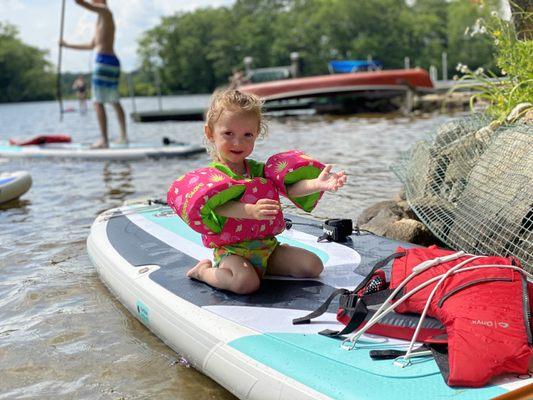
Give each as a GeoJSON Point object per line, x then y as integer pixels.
{"type": "Point", "coordinates": [62, 333]}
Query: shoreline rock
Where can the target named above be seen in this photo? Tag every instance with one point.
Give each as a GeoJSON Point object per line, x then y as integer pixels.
{"type": "Point", "coordinates": [395, 219]}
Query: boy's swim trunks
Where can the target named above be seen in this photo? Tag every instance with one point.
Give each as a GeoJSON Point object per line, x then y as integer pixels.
{"type": "Point", "coordinates": [257, 252]}
{"type": "Point", "coordinates": [105, 78]}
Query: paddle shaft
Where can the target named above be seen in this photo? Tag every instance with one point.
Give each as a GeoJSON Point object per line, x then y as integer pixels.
{"type": "Point", "coordinates": [59, 57]}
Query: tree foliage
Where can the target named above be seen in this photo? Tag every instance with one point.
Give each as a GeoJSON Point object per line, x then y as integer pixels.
{"type": "Point", "coordinates": [196, 51]}
{"type": "Point", "coordinates": [24, 72]}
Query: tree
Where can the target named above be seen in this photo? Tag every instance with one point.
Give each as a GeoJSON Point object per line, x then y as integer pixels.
{"type": "Point", "coordinates": [24, 72]}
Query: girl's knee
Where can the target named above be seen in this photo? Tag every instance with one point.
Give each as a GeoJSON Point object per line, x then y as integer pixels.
{"type": "Point", "coordinates": [245, 284]}
{"type": "Point", "coordinates": [316, 267]}
{"type": "Point", "coordinates": [313, 266]}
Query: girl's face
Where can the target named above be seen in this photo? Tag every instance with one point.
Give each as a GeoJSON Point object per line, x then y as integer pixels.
{"type": "Point", "coordinates": [233, 136]}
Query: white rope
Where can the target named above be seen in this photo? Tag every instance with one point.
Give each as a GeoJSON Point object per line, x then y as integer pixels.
{"type": "Point", "coordinates": [349, 343]}
{"type": "Point", "coordinates": [415, 271]}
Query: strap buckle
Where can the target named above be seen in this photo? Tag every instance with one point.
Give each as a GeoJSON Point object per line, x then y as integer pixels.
{"type": "Point", "coordinates": [336, 230]}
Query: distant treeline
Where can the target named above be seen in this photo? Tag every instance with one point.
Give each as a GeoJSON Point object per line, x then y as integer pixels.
{"type": "Point", "coordinates": [195, 52]}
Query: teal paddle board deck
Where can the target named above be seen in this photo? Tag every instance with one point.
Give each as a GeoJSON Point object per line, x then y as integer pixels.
{"type": "Point", "coordinates": [247, 343]}
{"type": "Point", "coordinates": [127, 152]}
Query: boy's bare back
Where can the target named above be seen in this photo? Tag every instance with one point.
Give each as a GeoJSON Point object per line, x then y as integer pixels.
{"type": "Point", "coordinates": [104, 34]}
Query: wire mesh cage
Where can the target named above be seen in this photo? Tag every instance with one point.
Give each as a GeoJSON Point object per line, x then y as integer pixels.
{"type": "Point", "coordinates": [471, 184]}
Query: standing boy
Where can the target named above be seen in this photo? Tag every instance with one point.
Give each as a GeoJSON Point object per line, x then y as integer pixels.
{"type": "Point", "coordinates": [106, 70]}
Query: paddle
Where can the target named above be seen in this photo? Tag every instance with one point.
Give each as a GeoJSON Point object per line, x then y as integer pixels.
{"type": "Point", "coordinates": [60, 53]}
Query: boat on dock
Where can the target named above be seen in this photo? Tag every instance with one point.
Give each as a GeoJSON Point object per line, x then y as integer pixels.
{"type": "Point", "coordinates": [341, 93]}
{"type": "Point", "coordinates": [373, 83]}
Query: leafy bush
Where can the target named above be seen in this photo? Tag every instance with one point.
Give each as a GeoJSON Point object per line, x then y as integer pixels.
{"type": "Point", "coordinates": [513, 58]}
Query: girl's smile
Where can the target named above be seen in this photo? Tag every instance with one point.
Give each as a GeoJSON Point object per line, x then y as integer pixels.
{"type": "Point", "coordinates": [234, 135]}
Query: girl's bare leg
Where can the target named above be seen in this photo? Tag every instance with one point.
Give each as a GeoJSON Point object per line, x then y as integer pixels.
{"type": "Point", "coordinates": [234, 273]}
{"type": "Point", "coordinates": [294, 261]}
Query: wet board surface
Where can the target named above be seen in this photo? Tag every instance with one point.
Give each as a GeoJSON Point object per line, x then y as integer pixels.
{"type": "Point", "coordinates": [248, 343]}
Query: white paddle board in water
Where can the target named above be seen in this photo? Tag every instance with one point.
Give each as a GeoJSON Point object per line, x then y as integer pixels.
{"type": "Point", "coordinates": [247, 343]}
{"type": "Point", "coordinates": [118, 152]}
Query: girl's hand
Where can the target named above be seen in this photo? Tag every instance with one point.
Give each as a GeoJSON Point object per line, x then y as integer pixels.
{"type": "Point", "coordinates": [330, 181]}
{"type": "Point", "coordinates": [265, 209]}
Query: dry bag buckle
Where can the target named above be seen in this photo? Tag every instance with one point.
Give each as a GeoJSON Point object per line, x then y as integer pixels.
{"type": "Point", "coordinates": [336, 230]}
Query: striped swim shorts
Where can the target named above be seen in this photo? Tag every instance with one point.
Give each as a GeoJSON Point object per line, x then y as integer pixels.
{"type": "Point", "coordinates": [106, 74]}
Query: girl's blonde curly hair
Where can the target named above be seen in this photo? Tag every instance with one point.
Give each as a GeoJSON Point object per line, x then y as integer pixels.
{"type": "Point", "coordinates": [236, 101]}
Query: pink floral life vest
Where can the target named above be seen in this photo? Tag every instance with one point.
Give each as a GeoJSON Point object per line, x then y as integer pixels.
{"type": "Point", "coordinates": [196, 195]}
{"type": "Point", "coordinates": [292, 166]}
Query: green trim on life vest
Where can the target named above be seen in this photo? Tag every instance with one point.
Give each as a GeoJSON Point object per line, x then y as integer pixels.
{"type": "Point", "coordinates": [212, 220]}
{"type": "Point", "coordinates": [306, 203]}
{"type": "Point", "coordinates": [256, 169]}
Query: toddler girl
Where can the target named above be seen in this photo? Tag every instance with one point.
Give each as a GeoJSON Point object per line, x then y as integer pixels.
{"type": "Point", "coordinates": [234, 202]}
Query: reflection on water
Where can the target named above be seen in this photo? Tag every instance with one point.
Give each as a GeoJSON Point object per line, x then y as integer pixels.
{"type": "Point", "coordinates": [20, 206]}
{"type": "Point", "coordinates": [62, 333]}
{"type": "Point", "coordinates": [118, 181]}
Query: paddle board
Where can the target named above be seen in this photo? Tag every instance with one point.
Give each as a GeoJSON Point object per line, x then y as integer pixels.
{"type": "Point", "coordinates": [247, 343]}
{"type": "Point", "coordinates": [120, 152]}
{"type": "Point", "coordinates": [14, 185]}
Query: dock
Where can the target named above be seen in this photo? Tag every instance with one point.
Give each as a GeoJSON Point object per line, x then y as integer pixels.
{"type": "Point", "coordinates": [197, 114]}
{"type": "Point", "coordinates": [336, 99]}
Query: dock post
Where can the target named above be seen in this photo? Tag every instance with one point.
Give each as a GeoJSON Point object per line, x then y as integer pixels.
{"type": "Point", "coordinates": [248, 65]}
{"type": "Point", "coordinates": [131, 90]}
{"type": "Point", "coordinates": [444, 66]}
{"type": "Point", "coordinates": [158, 87]}
{"type": "Point", "coordinates": [295, 64]}
{"type": "Point", "coordinates": [433, 73]}
{"type": "Point", "coordinates": [409, 100]}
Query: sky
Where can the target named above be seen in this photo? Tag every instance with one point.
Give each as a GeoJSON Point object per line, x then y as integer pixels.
{"type": "Point", "coordinates": [38, 23]}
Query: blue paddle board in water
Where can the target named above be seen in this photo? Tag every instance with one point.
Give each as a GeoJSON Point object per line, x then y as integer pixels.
{"type": "Point", "coordinates": [247, 343]}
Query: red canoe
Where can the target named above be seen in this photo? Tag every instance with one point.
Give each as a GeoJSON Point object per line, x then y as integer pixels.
{"type": "Point", "coordinates": [321, 85]}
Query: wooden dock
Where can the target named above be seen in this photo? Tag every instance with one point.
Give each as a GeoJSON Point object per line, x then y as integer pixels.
{"type": "Point", "coordinates": [197, 114]}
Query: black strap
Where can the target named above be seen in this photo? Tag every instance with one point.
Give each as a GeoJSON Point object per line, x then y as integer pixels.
{"type": "Point", "coordinates": [320, 310]}
{"type": "Point", "coordinates": [336, 230]}
{"type": "Point", "coordinates": [288, 223]}
{"type": "Point", "coordinates": [359, 314]}
{"type": "Point", "coordinates": [391, 354]}
{"type": "Point", "coordinates": [348, 299]}
{"type": "Point", "coordinates": [157, 201]}
{"type": "Point", "coordinates": [360, 311]}
{"type": "Point", "coordinates": [380, 264]}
